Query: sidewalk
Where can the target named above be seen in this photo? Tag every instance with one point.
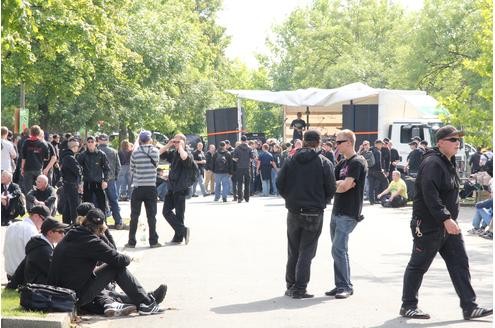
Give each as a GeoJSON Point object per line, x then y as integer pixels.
{"type": "Point", "coordinates": [232, 272]}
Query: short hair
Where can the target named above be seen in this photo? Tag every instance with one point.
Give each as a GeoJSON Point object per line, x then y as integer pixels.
{"type": "Point", "coordinates": [265, 146]}
{"type": "Point", "coordinates": [7, 173]}
{"type": "Point", "coordinates": [72, 143]}
{"type": "Point", "coordinates": [35, 130]}
{"type": "Point", "coordinates": [349, 135]}
{"type": "Point", "coordinates": [396, 172]}
{"type": "Point", "coordinates": [43, 177]}
{"type": "Point", "coordinates": [181, 136]}
{"type": "Point", "coordinates": [5, 131]}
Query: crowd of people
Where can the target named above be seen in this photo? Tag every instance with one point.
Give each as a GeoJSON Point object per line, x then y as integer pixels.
{"type": "Point", "coordinates": [84, 180]}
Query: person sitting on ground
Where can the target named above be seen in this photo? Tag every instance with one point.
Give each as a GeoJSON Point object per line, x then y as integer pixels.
{"type": "Point", "coordinates": [398, 192]}
{"type": "Point", "coordinates": [74, 266]}
{"type": "Point", "coordinates": [39, 249]}
{"type": "Point", "coordinates": [482, 217]}
{"type": "Point", "coordinates": [12, 199]}
{"type": "Point", "coordinates": [18, 235]}
{"type": "Point", "coordinates": [82, 210]}
{"type": "Point", "coordinates": [42, 194]}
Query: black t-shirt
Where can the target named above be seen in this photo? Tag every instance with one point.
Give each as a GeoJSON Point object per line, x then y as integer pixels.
{"type": "Point", "coordinates": [35, 152]}
{"type": "Point", "coordinates": [350, 202]}
{"type": "Point", "coordinates": [199, 156]}
{"type": "Point", "coordinates": [298, 124]}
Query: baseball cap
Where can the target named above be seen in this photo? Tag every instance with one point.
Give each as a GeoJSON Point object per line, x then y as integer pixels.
{"type": "Point", "coordinates": [448, 131]}
{"type": "Point", "coordinates": [418, 139]}
{"type": "Point", "coordinates": [103, 137]}
{"type": "Point", "coordinates": [243, 138]}
{"type": "Point", "coordinates": [386, 140]}
{"type": "Point", "coordinates": [90, 138]}
{"type": "Point", "coordinates": [415, 143]}
{"type": "Point", "coordinates": [52, 224]}
{"type": "Point", "coordinates": [41, 210]}
{"type": "Point", "coordinates": [96, 216]}
{"type": "Point", "coordinates": [312, 135]}
{"type": "Point", "coordinates": [222, 143]}
{"type": "Point", "coordinates": [145, 136]}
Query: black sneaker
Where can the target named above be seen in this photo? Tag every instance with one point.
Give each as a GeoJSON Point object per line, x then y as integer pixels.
{"type": "Point", "coordinates": [289, 292]}
{"type": "Point", "coordinates": [152, 308]}
{"type": "Point", "coordinates": [478, 312]}
{"type": "Point", "coordinates": [129, 245]}
{"type": "Point", "coordinates": [117, 309]}
{"type": "Point", "coordinates": [156, 245]}
{"type": "Point", "coordinates": [343, 293]}
{"type": "Point", "coordinates": [413, 313]}
{"type": "Point", "coordinates": [332, 292]}
{"type": "Point", "coordinates": [224, 200]}
{"type": "Point", "coordinates": [159, 293]}
{"type": "Point", "coordinates": [194, 195]}
{"type": "Point", "coordinates": [299, 294]}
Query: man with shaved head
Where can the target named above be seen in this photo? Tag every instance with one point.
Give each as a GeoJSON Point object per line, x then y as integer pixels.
{"type": "Point", "coordinates": [42, 194]}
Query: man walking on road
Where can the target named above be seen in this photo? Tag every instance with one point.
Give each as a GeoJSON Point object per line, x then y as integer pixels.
{"type": "Point", "coordinates": [307, 183]}
{"type": "Point", "coordinates": [243, 155]}
{"type": "Point", "coordinates": [435, 229]}
{"type": "Point", "coordinates": [350, 174]}
{"type": "Point", "coordinates": [181, 161]}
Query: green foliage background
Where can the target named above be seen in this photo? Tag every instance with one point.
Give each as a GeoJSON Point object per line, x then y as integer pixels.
{"type": "Point", "coordinates": [160, 64]}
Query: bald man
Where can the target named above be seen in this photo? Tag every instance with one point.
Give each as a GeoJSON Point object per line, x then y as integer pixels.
{"type": "Point", "coordinates": [42, 194]}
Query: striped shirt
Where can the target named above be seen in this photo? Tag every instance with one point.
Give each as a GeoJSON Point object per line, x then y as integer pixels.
{"type": "Point", "coordinates": [143, 171]}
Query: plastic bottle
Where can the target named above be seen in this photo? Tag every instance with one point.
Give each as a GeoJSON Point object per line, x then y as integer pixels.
{"type": "Point", "coordinates": [142, 233]}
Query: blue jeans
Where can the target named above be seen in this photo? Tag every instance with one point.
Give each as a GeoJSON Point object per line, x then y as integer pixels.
{"type": "Point", "coordinates": [113, 200]}
{"type": "Point", "coordinates": [201, 185]}
{"type": "Point", "coordinates": [124, 181]}
{"type": "Point", "coordinates": [162, 190]}
{"type": "Point", "coordinates": [222, 182]}
{"type": "Point", "coordinates": [274, 177]}
{"type": "Point", "coordinates": [483, 216]}
{"type": "Point", "coordinates": [265, 187]}
{"type": "Point", "coordinates": [340, 228]}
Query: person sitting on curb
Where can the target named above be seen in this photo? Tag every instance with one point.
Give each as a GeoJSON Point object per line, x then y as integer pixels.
{"type": "Point", "coordinates": [75, 262]}
{"type": "Point", "coordinates": [482, 217]}
{"type": "Point", "coordinates": [398, 192]}
{"type": "Point", "coordinates": [39, 249]}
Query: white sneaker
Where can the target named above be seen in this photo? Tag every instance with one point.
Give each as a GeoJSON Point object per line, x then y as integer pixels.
{"type": "Point", "coordinates": [117, 309]}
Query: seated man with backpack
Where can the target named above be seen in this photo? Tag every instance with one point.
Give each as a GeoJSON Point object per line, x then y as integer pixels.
{"type": "Point", "coordinates": [396, 193]}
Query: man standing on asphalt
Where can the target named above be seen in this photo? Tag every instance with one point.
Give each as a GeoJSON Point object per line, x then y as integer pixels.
{"type": "Point", "coordinates": [114, 168]}
{"type": "Point", "coordinates": [144, 161]}
{"type": "Point", "coordinates": [34, 152]}
{"type": "Point", "coordinates": [435, 229]}
{"type": "Point", "coordinates": [71, 172]}
{"type": "Point", "coordinates": [94, 163]}
{"type": "Point", "coordinates": [307, 183]}
{"type": "Point", "coordinates": [350, 174]}
{"type": "Point", "coordinates": [209, 176]}
{"type": "Point", "coordinates": [180, 161]}
{"type": "Point", "coordinates": [243, 155]}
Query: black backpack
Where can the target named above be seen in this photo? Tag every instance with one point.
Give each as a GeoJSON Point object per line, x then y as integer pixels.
{"type": "Point", "coordinates": [220, 162]}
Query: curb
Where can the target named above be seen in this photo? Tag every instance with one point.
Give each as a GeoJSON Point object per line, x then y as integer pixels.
{"type": "Point", "coordinates": [52, 320]}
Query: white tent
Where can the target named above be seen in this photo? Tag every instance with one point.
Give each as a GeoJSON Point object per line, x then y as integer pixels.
{"type": "Point", "coordinates": [325, 105]}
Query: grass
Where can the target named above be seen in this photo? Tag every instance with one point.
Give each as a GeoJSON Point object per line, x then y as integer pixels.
{"type": "Point", "coordinates": [12, 308]}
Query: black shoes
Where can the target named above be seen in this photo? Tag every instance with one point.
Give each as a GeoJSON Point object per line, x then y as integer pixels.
{"type": "Point", "coordinates": [224, 200]}
{"type": "Point", "coordinates": [297, 294]}
{"type": "Point", "coordinates": [478, 312]}
{"type": "Point", "coordinates": [414, 313]}
{"type": "Point", "coordinates": [156, 245]}
{"type": "Point", "coordinates": [117, 309]}
{"type": "Point", "coordinates": [152, 308]}
{"type": "Point", "coordinates": [159, 293]}
{"type": "Point", "coordinates": [333, 292]}
{"type": "Point", "coordinates": [340, 293]}
{"type": "Point", "coordinates": [129, 245]}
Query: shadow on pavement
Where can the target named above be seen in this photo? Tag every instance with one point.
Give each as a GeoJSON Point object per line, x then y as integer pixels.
{"type": "Point", "coordinates": [412, 323]}
{"type": "Point", "coordinates": [271, 304]}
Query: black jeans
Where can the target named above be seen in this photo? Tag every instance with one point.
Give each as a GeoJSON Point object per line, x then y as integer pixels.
{"type": "Point", "coordinates": [175, 200]}
{"type": "Point", "coordinates": [243, 177]}
{"type": "Point", "coordinates": [302, 235]}
{"type": "Point", "coordinates": [93, 191]}
{"type": "Point", "coordinates": [451, 248]}
{"type": "Point", "coordinates": [146, 194]}
{"type": "Point", "coordinates": [71, 201]}
{"type": "Point", "coordinates": [107, 274]}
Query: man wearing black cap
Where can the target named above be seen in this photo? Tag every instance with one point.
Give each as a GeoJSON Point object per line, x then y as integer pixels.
{"type": "Point", "coordinates": [435, 229]}
{"type": "Point", "coordinates": [39, 249]}
{"type": "Point", "coordinates": [113, 173]}
{"type": "Point", "coordinates": [243, 156]}
{"type": "Point", "coordinates": [18, 234]}
{"type": "Point", "coordinates": [414, 159]}
{"type": "Point", "coordinates": [307, 183]}
{"type": "Point", "coordinates": [96, 171]}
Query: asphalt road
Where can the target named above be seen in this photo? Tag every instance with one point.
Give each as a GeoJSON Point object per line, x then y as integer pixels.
{"type": "Point", "coordinates": [232, 272]}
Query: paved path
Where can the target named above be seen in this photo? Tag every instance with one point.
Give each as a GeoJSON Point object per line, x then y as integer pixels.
{"type": "Point", "coordinates": [232, 272]}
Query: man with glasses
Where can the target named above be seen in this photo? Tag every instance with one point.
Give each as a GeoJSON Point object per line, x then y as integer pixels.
{"type": "Point", "coordinates": [350, 174]}
{"type": "Point", "coordinates": [435, 229]}
{"type": "Point", "coordinates": [39, 250]}
{"type": "Point", "coordinates": [17, 236]}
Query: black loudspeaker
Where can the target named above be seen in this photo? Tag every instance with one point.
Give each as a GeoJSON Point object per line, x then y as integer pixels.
{"type": "Point", "coordinates": [223, 124]}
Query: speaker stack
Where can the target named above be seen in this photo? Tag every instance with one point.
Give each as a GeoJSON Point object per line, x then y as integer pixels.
{"type": "Point", "coordinates": [224, 124]}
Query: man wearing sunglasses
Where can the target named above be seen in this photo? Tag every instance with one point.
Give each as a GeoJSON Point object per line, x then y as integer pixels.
{"type": "Point", "coordinates": [17, 236]}
{"type": "Point", "coordinates": [435, 229]}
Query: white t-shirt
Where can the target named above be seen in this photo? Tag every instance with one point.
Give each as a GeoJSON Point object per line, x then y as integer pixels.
{"type": "Point", "coordinates": [14, 247]}
{"type": "Point", "coordinates": [8, 153]}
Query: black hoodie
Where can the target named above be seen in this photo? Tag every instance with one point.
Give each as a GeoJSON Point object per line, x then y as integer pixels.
{"type": "Point", "coordinates": [75, 258]}
{"type": "Point", "coordinates": [243, 154]}
{"type": "Point", "coordinates": [436, 196]}
{"type": "Point", "coordinates": [71, 169]}
{"type": "Point", "coordinates": [306, 181]}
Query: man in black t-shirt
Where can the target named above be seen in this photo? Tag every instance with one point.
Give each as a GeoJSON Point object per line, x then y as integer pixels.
{"type": "Point", "coordinates": [350, 174]}
{"type": "Point", "coordinates": [299, 125]}
{"type": "Point", "coordinates": [34, 152]}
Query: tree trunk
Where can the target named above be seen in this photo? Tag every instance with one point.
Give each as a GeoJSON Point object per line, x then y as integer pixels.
{"type": "Point", "coordinates": [43, 118]}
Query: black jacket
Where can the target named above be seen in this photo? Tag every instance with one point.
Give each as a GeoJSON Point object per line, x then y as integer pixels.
{"type": "Point", "coordinates": [306, 181]}
{"type": "Point", "coordinates": [95, 166]}
{"type": "Point", "coordinates": [177, 177]}
{"type": "Point", "coordinates": [227, 167]}
{"type": "Point", "coordinates": [244, 154]}
{"type": "Point", "coordinates": [386, 156]}
{"type": "Point", "coordinates": [209, 159]}
{"type": "Point", "coordinates": [76, 256]}
{"type": "Point", "coordinates": [436, 196]}
{"type": "Point", "coordinates": [378, 160]}
{"type": "Point", "coordinates": [71, 169]}
{"type": "Point", "coordinates": [35, 266]}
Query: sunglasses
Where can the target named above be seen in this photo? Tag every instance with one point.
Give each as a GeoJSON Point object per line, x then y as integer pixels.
{"type": "Point", "coordinates": [338, 142]}
{"type": "Point", "coordinates": [453, 139]}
